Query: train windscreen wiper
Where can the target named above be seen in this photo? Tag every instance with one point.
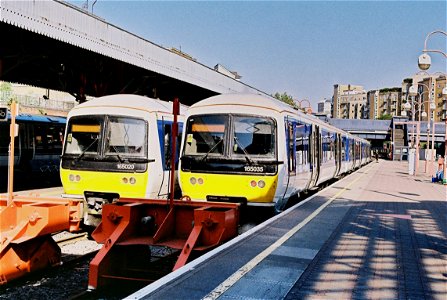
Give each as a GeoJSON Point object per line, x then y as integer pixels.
{"type": "Point", "coordinates": [247, 156]}
{"type": "Point", "coordinates": [211, 150]}
{"type": "Point", "coordinates": [86, 149]}
{"type": "Point", "coordinates": [117, 154]}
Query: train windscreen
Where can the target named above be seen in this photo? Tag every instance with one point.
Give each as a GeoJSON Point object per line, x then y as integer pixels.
{"type": "Point", "coordinates": [253, 136]}
{"type": "Point", "coordinates": [124, 137]}
{"type": "Point", "coordinates": [250, 136]}
{"type": "Point", "coordinates": [83, 136]}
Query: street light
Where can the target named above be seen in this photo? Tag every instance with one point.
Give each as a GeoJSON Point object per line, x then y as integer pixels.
{"type": "Point", "coordinates": [306, 109]}
{"type": "Point", "coordinates": [424, 63]}
{"type": "Point", "coordinates": [413, 92]}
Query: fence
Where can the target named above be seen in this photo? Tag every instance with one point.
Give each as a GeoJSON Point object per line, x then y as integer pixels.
{"type": "Point", "coordinates": [36, 102]}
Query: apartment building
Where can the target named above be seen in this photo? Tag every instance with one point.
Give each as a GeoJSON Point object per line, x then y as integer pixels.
{"type": "Point", "coordinates": [384, 103]}
{"type": "Point", "coordinates": [430, 90]}
{"type": "Point", "coordinates": [349, 101]}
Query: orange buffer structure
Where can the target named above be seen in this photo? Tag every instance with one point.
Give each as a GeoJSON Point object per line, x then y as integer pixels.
{"type": "Point", "coordinates": [131, 227]}
{"type": "Point", "coordinates": [26, 224]}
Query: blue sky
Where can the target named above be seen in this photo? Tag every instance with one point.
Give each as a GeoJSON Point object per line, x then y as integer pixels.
{"type": "Point", "coordinates": [299, 47]}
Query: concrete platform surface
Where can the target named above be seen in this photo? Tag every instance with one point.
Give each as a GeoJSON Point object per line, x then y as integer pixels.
{"type": "Point", "coordinates": [378, 233]}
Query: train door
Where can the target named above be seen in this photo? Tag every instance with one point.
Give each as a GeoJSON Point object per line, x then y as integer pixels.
{"type": "Point", "coordinates": [352, 153]}
{"type": "Point", "coordinates": [315, 150]}
{"type": "Point", "coordinates": [303, 133]}
{"type": "Point", "coordinates": [291, 156]}
{"type": "Point", "coordinates": [338, 153]}
{"type": "Point", "coordinates": [345, 154]}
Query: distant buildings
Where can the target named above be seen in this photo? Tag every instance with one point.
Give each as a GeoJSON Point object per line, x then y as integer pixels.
{"type": "Point", "coordinates": [325, 107]}
{"type": "Point", "coordinates": [384, 103]}
{"type": "Point", "coordinates": [353, 102]}
{"type": "Point", "coordinates": [349, 101]}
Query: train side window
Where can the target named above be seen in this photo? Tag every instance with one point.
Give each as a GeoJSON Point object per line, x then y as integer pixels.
{"type": "Point", "coordinates": [167, 133]}
{"type": "Point", "coordinates": [40, 139]}
{"type": "Point", "coordinates": [167, 145]}
{"type": "Point", "coordinates": [343, 149]}
{"type": "Point", "coordinates": [54, 136]}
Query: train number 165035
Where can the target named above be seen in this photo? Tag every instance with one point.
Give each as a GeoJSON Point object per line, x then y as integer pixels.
{"type": "Point", "coordinates": [254, 169]}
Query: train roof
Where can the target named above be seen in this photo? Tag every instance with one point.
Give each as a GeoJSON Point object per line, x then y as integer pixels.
{"type": "Point", "coordinates": [262, 101]}
{"type": "Point", "coordinates": [130, 101]}
{"type": "Point", "coordinates": [253, 100]}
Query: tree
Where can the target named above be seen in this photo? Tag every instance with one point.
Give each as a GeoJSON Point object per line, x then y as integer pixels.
{"type": "Point", "coordinates": [285, 98]}
{"type": "Point", "coordinates": [385, 117]}
{"type": "Point", "coordinates": [5, 87]}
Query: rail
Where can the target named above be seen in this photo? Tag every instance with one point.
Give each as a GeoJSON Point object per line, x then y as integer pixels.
{"type": "Point", "coordinates": [36, 102]}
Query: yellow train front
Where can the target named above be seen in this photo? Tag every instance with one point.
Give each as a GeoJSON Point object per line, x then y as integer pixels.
{"type": "Point", "coordinates": [116, 146]}
{"type": "Point", "coordinates": [230, 153]}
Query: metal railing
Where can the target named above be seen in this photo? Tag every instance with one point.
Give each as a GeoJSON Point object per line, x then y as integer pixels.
{"type": "Point", "coordinates": [36, 102]}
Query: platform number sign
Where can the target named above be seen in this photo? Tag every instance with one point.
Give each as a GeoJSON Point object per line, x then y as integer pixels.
{"type": "Point", "coordinates": [3, 113]}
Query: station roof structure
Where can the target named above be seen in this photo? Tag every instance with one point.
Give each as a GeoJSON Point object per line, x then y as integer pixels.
{"type": "Point", "coordinates": [56, 45]}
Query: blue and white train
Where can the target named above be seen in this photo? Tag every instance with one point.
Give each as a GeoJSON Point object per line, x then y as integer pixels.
{"type": "Point", "coordinates": [261, 152]}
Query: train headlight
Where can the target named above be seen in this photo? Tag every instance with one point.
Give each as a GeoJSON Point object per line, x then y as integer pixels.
{"type": "Point", "coordinates": [132, 180]}
{"type": "Point", "coordinates": [78, 178]}
{"type": "Point", "coordinates": [125, 180]}
{"type": "Point", "coordinates": [253, 183]}
{"type": "Point", "coordinates": [200, 181]}
{"type": "Point", "coordinates": [192, 180]}
{"type": "Point", "coordinates": [71, 177]}
{"type": "Point", "coordinates": [261, 183]}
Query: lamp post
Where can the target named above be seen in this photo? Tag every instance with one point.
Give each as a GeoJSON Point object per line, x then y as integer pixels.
{"type": "Point", "coordinates": [306, 109]}
{"type": "Point", "coordinates": [424, 63]}
{"type": "Point", "coordinates": [413, 91]}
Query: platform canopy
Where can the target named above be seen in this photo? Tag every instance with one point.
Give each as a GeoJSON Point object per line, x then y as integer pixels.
{"type": "Point", "coordinates": [56, 45]}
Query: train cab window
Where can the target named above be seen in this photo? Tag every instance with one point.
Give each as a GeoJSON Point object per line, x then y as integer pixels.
{"type": "Point", "coordinates": [83, 135]}
{"type": "Point", "coordinates": [205, 134]}
{"type": "Point", "coordinates": [126, 137]}
{"type": "Point", "coordinates": [253, 136]}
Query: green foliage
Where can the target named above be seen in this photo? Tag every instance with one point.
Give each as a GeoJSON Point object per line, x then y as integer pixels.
{"type": "Point", "coordinates": [394, 89]}
{"type": "Point", "coordinates": [285, 98]}
{"type": "Point", "coordinates": [385, 117]}
{"type": "Point", "coordinates": [5, 87]}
